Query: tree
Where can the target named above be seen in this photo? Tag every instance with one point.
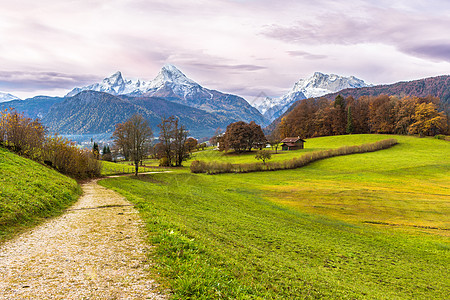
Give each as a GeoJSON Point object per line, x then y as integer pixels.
{"type": "Point", "coordinates": [191, 143]}
{"type": "Point", "coordinates": [274, 143]}
{"type": "Point", "coordinates": [134, 137]}
{"type": "Point", "coordinates": [382, 114]}
{"type": "Point", "coordinates": [338, 114]}
{"type": "Point", "coordinates": [241, 137]}
{"type": "Point", "coordinates": [172, 148]}
{"type": "Point", "coordinates": [257, 138]}
{"type": "Point", "coordinates": [263, 155]}
{"type": "Point", "coordinates": [349, 128]}
{"type": "Point", "coordinates": [106, 155]}
{"type": "Point", "coordinates": [428, 121]}
{"type": "Point", "coordinates": [180, 149]}
{"type": "Point", "coordinates": [95, 151]}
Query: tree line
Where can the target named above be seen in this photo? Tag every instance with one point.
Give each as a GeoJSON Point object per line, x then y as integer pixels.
{"type": "Point", "coordinates": [29, 138]}
{"type": "Point", "coordinates": [368, 114]}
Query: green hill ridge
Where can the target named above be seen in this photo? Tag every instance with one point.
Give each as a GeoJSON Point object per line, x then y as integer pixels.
{"type": "Point", "coordinates": [30, 192]}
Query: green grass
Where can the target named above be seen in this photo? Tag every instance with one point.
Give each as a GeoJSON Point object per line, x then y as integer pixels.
{"type": "Point", "coordinates": [314, 144]}
{"type": "Point", "coordinates": [308, 233]}
{"type": "Point", "coordinates": [124, 167]}
{"type": "Point", "coordinates": [30, 192]}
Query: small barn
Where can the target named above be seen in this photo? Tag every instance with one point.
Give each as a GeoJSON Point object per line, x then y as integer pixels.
{"type": "Point", "coordinates": [292, 143]}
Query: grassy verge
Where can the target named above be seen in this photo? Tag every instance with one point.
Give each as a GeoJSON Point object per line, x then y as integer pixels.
{"type": "Point", "coordinates": [30, 192]}
{"type": "Point", "coordinates": [300, 233]}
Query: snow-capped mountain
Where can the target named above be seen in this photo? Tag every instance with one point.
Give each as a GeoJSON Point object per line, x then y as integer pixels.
{"type": "Point", "coordinates": [117, 85]}
{"type": "Point", "coordinates": [4, 97]}
{"type": "Point", "coordinates": [171, 84]}
{"type": "Point", "coordinates": [315, 86]}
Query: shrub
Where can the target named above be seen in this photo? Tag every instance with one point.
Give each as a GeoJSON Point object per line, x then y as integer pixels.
{"type": "Point", "coordinates": [65, 157]}
{"type": "Point", "coordinates": [27, 137]}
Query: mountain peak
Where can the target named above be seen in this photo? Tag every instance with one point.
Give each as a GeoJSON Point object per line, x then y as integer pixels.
{"type": "Point", "coordinates": [171, 74]}
{"type": "Point", "coordinates": [7, 97]}
{"type": "Point", "coordinates": [318, 74]}
{"type": "Point", "coordinates": [317, 85]}
{"type": "Point", "coordinates": [114, 79]}
{"type": "Point", "coordinates": [320, 84]}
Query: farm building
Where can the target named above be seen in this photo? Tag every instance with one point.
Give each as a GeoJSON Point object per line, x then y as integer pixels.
{"type": "Point", "coordinates": [292, 143]}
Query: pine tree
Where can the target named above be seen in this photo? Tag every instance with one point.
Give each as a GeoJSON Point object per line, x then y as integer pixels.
{"type": "Point", "coordinates": [95, 150]}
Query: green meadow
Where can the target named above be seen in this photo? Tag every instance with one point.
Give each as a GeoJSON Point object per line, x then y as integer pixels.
{"type": "Point", "coordinates": [363, 226]}
{"type": "Point", "coordinates": [316, 144]}
{"type": "Point", "coordinates": [30, 193]}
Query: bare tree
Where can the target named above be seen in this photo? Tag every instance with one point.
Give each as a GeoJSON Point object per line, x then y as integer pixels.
{"type": "Point", "coordinates": [133, 138]}
{"type": "Point", "coordinates": [181, 150]}
{"type": "Point", "coordinates": [172, 147]}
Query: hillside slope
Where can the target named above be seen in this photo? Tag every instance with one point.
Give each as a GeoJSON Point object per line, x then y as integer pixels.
{"type": "Point", "coordinates": [91, 112]}
{"type": "Point", "coordinates": [438, 86]}
{"type": "Point", "coordinates": [365, 226]}
{"type": "Point", "coordinates": [435, 86]}
{"type": "Point", "coordinates": [30, 192]}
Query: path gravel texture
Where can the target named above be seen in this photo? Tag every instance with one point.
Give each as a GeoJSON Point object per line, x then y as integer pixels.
{"type": "Point", "coordinates": [96, 250]}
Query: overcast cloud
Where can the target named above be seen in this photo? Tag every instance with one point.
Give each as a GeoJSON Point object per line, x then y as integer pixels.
{"type": "Point", "coordinates": [242, 46]}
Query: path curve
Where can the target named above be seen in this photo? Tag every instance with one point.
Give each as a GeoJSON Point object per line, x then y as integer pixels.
{"type": "Point", "coordinates": [95, 250]}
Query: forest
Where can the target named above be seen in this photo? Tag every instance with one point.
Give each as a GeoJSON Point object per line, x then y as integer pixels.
{"type": "Point", "coordinates": [368, 114]}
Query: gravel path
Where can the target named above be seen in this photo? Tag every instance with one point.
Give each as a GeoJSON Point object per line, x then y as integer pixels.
{"type": "Point", "coordinates": [93, 251]}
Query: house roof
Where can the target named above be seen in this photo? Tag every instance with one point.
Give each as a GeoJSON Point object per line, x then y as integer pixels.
{"type": "Point", "coordinates": [292, 140]}
{"type": "Point", "coordinates": [290, 144]}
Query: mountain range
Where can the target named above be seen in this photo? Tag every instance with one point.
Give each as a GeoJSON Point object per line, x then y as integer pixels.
{"type": "Point", "coordinates": [317, 85]}
{"type": "Point", "coordinates": [438, 86]}
{"type": "Point", "coordinates": [4, 97]}
{"type": "Point", "coordinates": [93, 110]}
{"type": "Point", "coordinates": [171, 84]}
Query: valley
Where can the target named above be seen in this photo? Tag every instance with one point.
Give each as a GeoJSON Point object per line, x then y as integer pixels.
{"type": "Point", "coordinates": [371, 225]}
{"type": "Point", "coordinates": [224, 150]}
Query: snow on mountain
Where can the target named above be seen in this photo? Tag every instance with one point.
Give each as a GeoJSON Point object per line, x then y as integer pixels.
{"type": "Point", "coordinates": [171, 84]}
{"type": "Point", "coordinates": [117, 85]}
{"type": "Point", "coordinates": [170, 74]}
{"type": "Point", "coordinates": [315, 86]}
{"type": "Point", "coordinates": [320, 84]}
{"type": "Point", "coordinates": [4, 97]}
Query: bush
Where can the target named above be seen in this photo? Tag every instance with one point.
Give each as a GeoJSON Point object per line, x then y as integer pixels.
{"type": "Point", "coordinates": [442, 137]}
{"type": "Point", "coordinates": [27, 137]}
{"type": "Point", "coordinates": [65, 157]}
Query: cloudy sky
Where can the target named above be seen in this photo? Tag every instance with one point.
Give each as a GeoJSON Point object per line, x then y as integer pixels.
{"type": "Point", "coordinates": [240, 46]}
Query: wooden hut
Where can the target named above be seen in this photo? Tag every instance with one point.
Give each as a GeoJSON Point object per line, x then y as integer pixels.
{"type": "Point", "coordinates": [292, 143]}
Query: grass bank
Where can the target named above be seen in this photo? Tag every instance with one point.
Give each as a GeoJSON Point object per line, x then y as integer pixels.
{"type": "Point", "coordinates": [30, 192]}
{"type": "Point", "coordinates": [304, 234]}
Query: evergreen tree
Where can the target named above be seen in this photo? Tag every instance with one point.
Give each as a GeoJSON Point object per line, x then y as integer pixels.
{"type": "Point", "coordinates": [95, 150]}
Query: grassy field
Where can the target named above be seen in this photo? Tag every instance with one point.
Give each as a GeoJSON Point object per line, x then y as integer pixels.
{"type": "Point", "coordinates": [124, 167]}
{"type": "Point", "coordinates": [315, 144]}
{"type": "Point", "coordinates": [30, 192]}
{"type": "Point", "coordinates": [364, 226]}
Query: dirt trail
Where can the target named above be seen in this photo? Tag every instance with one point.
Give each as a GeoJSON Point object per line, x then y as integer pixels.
{"type": "Point", "coordinates": [94, 251]}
